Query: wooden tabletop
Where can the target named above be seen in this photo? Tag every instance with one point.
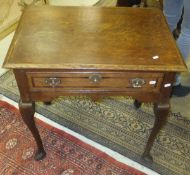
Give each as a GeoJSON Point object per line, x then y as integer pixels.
{"type": "Point", "coordinates": [117, 38]}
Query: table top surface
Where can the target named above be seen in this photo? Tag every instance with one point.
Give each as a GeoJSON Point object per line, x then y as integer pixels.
{"type": "Point", "coordinates": [114, 38]}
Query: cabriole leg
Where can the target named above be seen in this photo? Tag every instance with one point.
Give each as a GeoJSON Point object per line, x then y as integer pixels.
{"type": "Point", "coordinates": [161, 111]}
{"type": "Point", "coordinates": [27, 111]}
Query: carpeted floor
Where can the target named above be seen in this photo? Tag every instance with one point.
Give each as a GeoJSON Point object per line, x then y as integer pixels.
{"type": "Point", "coordinates": [115, 123]}
{"type": "Point", "coordinates": [66, 155]}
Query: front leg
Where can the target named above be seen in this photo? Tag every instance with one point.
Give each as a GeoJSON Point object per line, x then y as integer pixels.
{"type": "Point", "coordinates": [27, 111]}
{"type": "Point", "coordinates": [161, 111]}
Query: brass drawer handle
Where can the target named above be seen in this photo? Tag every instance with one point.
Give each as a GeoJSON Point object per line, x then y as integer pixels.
{"type": "Point", "coordinates": [95, 78]}
{"type": "Point", "coordinates": [137, 82]}
{"type": "Point", "coordinates": [53, 82]}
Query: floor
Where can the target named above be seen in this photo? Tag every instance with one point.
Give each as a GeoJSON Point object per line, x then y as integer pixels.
{"type": "Point", "coordinates": [4, 45]}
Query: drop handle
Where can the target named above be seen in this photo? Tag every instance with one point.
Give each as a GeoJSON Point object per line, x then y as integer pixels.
{"type": "Point", "coordinates": [137, 82]}
{"type": "Point", "coordinates": [95, 78]}
{"type": "Point", "coordinates": [53, 82]}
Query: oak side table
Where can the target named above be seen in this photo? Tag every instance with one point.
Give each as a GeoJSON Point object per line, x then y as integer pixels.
{"type": "Point", "coordinates": [97, 52]}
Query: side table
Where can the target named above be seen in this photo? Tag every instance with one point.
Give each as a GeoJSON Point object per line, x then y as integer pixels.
{"type": "Point", "coordinates": [96, 52]}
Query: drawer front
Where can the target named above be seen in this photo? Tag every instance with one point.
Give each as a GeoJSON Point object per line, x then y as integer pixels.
{"type": "Point", "coordinates": [94, 80]}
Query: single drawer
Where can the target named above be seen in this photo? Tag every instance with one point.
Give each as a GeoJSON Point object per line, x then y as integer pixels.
{"type": "Point", "coordinates": [94, 80]}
